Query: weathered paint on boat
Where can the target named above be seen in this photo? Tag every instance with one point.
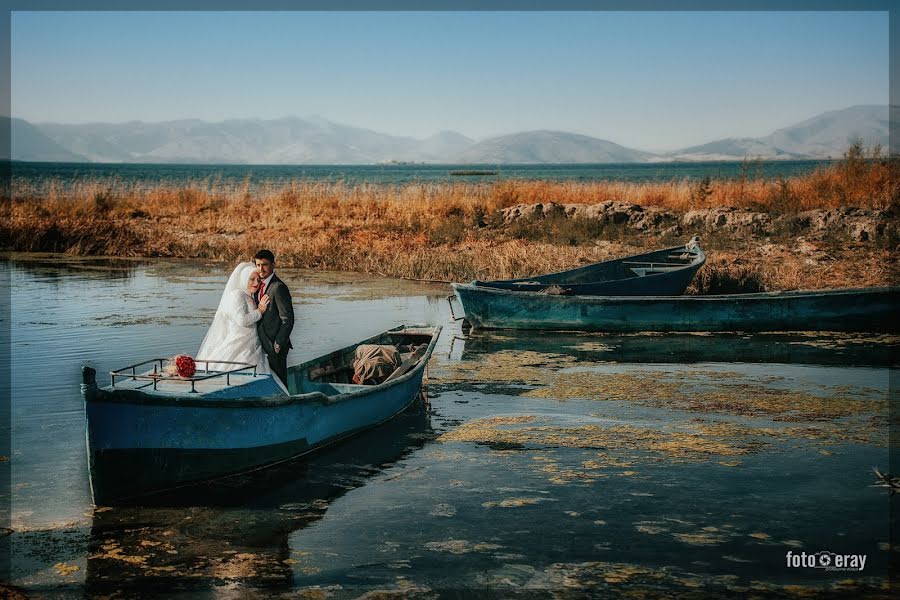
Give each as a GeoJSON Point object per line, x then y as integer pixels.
{"type": "Point", "coordinates": [140, 441]}
{"type": "Point", "coordinates": [666, 272]}
{"type": "Point", "coordinates": [870, 309]}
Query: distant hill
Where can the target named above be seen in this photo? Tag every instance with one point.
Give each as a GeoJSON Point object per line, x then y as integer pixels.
{"type": "Point", "coordinates": [444, 145]}
{"type": "Point", "coordinates": [547, 147]}
{"type": "Point", "coordinates": [27, 142]}
{"type": "Point", "coordinates": [831, 133]}
{"type": "Point", "coordinates": [251, 141]}
{"type": "Point", "coordinates": [827, 135]}
{"type": "Point", "coordinates": [733, 149]}
{"type": "Point", "coordinates": [296, 141]}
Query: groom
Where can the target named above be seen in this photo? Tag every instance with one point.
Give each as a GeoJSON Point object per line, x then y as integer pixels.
{"type": "Point", "coordinates": [274, 328]}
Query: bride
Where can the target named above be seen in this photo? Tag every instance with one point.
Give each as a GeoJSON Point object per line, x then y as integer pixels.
{"type": "Point", "coordinates": [232, 336]}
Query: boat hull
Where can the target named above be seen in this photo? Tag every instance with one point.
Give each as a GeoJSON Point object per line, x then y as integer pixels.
{"type": "Point", "coordinates": [140, 443]}
{"type": "Point", "coordinates": [827, 310]}
{"type": "Point", "coordinates": [666, 272]}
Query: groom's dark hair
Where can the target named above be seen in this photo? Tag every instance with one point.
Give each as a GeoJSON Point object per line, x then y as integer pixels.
{"type": "Point", "coordinates": [265, 255]}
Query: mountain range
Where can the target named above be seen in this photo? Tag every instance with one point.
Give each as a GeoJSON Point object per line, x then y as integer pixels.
{"type": "Point", "coordinates": [315, 140]}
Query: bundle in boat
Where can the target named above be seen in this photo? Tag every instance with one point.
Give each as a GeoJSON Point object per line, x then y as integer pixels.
{"type": "Point", "coordinates": [374, 364]}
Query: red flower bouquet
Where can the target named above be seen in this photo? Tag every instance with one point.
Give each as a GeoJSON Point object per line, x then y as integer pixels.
{"type": "Point", "coordinates": [185, 366]}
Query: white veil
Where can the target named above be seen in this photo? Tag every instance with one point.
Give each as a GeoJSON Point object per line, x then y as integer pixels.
{"type": "Point", "coordinates": [218, 331]}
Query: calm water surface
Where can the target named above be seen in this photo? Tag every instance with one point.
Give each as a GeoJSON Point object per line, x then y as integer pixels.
{"type": "Point", "coordinates": [583, 465]}
{"type": "Point", "coordinates": [31, 176]}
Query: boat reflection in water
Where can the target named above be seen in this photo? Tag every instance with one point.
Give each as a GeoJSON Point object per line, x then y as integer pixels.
{"type": "Point", "coordinates": [234, 532]}
{"type": "Point", "coordinates": [811, 348]}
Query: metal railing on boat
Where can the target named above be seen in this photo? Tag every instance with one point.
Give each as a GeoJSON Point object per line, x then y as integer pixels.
{"type": "Point", "coordinates": [159, 374]}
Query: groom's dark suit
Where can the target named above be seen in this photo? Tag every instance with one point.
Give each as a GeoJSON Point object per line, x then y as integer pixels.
{"type": "Point", "coordinates": [275, 326]}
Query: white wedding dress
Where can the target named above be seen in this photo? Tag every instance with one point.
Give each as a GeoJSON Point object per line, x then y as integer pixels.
{"type": "Point", "coordinates": [232, 336]}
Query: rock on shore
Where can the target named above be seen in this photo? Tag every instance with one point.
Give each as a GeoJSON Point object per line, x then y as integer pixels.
{"type": "Point", "coordinates": [859, 225]}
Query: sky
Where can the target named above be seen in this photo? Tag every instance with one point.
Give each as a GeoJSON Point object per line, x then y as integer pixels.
{"type": "Point", "coordinates": [646, 80]}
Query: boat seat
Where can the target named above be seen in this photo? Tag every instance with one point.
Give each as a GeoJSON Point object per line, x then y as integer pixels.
{"type": "Point", "coordinates": [404, 368]}
{"type": "Point", "coordinates": [409, 362]}
{"type": "Point", "coordinates": [653, 269]}
{"type": "Point", "coordinates": [348, 388]}
{"type": "Point", "coordinates": [644, 263]}
{"type": "Point", "coordinates": [642, 271]}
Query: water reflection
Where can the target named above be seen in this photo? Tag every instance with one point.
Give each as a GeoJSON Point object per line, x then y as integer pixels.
{"type": "Point", "coordinates": [813, 348]}
{"type": "Point", "coordinates": [54, 267]}
{"type": "Point", "coordinates": [236, 530]}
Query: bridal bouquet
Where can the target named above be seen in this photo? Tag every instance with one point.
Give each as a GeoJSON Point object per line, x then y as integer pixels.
{"type": "Point", "coordinates": [181, 365]}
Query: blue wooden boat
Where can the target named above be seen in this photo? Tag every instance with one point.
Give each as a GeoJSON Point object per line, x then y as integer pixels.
{"type": "Point", "coordinates": [868, 309]}
{"type": "Point", "coordinates": [147, 432]}
{"type": "Point", "coordinates": [665, 272]}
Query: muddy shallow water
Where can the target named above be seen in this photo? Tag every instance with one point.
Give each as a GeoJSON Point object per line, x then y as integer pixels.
{"type": "Point", "coordinates": [560, 464]}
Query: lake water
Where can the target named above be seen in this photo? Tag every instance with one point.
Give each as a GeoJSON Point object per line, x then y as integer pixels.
{"type": "Point", "coordinates": [588, 465]}
{"type": "Point", "coordinates": [27, 175]}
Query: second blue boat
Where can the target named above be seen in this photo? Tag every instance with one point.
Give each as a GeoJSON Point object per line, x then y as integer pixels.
{"type": "Point", "coordinates": [666, 272]}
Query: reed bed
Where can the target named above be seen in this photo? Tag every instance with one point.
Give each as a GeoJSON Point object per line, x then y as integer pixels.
{"type": "Point", "coordinates": [443, 231]}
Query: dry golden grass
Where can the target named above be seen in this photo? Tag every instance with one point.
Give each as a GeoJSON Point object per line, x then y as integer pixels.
{"type": "Point", "coordinates": [444, 231]}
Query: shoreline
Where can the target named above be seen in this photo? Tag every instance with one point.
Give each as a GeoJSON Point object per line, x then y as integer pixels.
{"type": "Point", "coordinates": [836, 227]}
{"type": "Point", "coordinates": [735, 264]}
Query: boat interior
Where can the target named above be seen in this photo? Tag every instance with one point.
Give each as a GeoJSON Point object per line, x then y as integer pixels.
{"type": "Point", "coordinates": [333, 374]}
{"type": "Point", "coordinates": [662, 261]}
{"type": "Point", "coordinates": [156, 375]}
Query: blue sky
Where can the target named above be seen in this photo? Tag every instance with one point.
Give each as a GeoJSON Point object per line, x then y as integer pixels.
{"type": "Point", "coordinates": [649, 80]}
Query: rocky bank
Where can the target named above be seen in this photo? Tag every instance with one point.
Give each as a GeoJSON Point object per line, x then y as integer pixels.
{"type": "Point", "coordinates": [854, 224]}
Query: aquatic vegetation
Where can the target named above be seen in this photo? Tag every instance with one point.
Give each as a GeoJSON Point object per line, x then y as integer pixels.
{"type": "Point", "coordinates": [848, 413]}
{"type": "Point", "coordinates": [592, 347]}
{"type": "Point", "coordinates": [520, 431]}
{"type": "Point", "coordinates": [454, 546]}
{"type": "Point", "coordinates": [841, 415]}
{"type": "Point", "coordinates": [403, 588]}
{"type": "Point", "coordinates": [701, 538]}
{"type": "Point", "coordinates": [784, 405]}
{"type": "Point", "coordinates": [515, 502]}
{"type": "Point", "coordinates": [507, 366]}
{"type": "Point", "coordinates": [682, 445]}
{"type": "Point", "coordinates": [840, 340]}
{"type": "Point", "coordinates": [602, 386]}
{"type": "Point", "coordinates": [700, 391]}
{"type": "Point", "coordinates": [624, 573]}
{"type": "Point", "coordinates": [113, 551]}
{"type": "Point", "coordinates": [316, 592]}
{"type": "Point", "coordinates": [65, 569]}
{"type": "Point", "coordinates": [651, 527]}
